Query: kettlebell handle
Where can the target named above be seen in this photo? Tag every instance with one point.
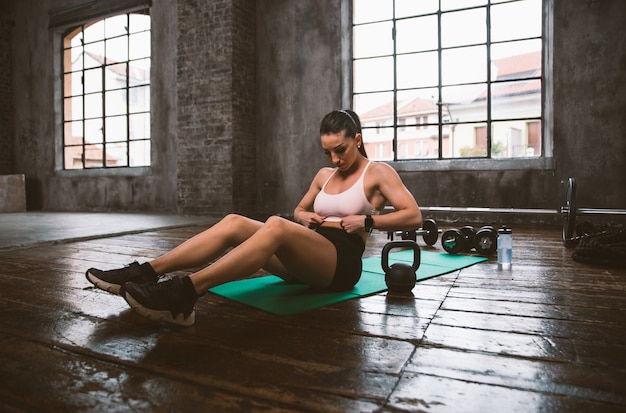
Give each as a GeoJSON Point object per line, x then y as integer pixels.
{"type": "Point", "coordinates": [401, 244]}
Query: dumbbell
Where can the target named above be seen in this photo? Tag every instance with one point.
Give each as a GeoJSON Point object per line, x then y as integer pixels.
{"type": "Point", "coordinates": [484, 241]}
{"type": "Point", "coordinates": [429, 232]}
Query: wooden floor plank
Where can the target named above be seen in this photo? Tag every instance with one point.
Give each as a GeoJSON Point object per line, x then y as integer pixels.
{"type": "Point", "coordinates": [548, 335]}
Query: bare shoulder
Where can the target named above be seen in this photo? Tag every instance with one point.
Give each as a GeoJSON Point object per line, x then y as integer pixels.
{"type": "Point", "coordinates": [322, 175]}
{"type": "Point", "coordinates": [382, 171]}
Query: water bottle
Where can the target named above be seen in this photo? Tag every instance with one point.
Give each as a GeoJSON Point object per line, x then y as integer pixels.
{"type": "Point", "coordinates": [505, 247]}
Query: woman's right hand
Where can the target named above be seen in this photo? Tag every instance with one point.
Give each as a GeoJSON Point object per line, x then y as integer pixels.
{"type": "Point", "coordinates": [310, 219]}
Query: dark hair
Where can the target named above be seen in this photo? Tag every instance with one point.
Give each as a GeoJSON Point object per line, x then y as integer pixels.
{"type": "Point", "coordinates": [342, 120]}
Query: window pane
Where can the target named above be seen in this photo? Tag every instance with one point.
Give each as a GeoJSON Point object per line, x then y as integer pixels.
{"type": "Point", "coordinates": [93, 80]}
{"type": "Point", "coordinates": [116, 26]}
{"type": "Point", "coordinates": [72, 84]}
{"type": "Point", "coordinates": [139, 45]}
{"type": "Point", "coordinates": [116, 129]}
{"type": "Point", "coordinates": [519, 60]}
{"type": "Point", "coordinates": [517, 20]}
{"type": "Point", "coordinates": [93, 105]}
{"type": "Point", "coordinates": [138, 22]}
{"type": "Point", "coordinates": [73, 59]}
{"type": "Point", "coordinates": [116, 154]}
{"type": "Point", "coordinates": [516, 139]}
{"type": "Point", "coordinates": [372, 75]}
{"type": "Point", "coordinates": [464, 140]}
{"type": "Point", "coordinates": [373, 40]}
{"type": "Point", "coordinates": [139, 99]}
{"type": "Point", "coordinates": [94, 55]}
{"type": "Point", "coordinates": [115, 102]}
{"type": "Point", "coordinates": [93, 156]}
{"type": "Point", "coordinates": [418, 70]}
{"type": "Point", "coordinates": [116, 76]}
{"type": "Point", "coordinates": [117, 49]}
{"type": "Point", "coordinates": [465, 103]}
{"type": "Point", "coordinates": [511, 100]}
{"type": "Point", "coordinates": [73, 157]}
{"type": "Point", "coordinates": [140, 153]}
{"type": "Point", "coordinates": [93, 131]}
{"type": "Point", "coordinates": [416, 35]}
{"type": "Point", "coordinates": [407, 8]}
{"type": "Point", "coordinates": [73, 108]}
{"type": "Point", "coordinates": [140, 126]}
{"type": "Point", "coordinates": [94, 32]}
{"type": "Point", "coordinates": [373, 106]}
{"type": "Point", "coordinates": [464, 28]}
{"type": "Point", "coordinates": [464, 65]}
{"type": "Point", "coordinates": [76, 40]}
{"type": "Point", "coordinates": [73, 133]}
{"type": "Point", "coordinates": [372, 10]}
{"type": "Point", "coordinates": [139, 72]}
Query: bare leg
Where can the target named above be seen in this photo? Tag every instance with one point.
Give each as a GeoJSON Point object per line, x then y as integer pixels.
{"type": "Point", "coordinates": [306, 255]}
{"type": "Point", "coordinates": [199, 250]}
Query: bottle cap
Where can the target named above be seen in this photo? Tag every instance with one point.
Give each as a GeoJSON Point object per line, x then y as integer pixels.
{"type": "Point", "coordinates": [504, 230]}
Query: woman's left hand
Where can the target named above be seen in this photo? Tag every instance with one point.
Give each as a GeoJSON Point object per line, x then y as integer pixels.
{"type": "Point", "coordinates": [353, 223]}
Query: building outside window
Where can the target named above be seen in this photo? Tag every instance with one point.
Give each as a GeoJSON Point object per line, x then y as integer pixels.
{"type": "Point", "coordinates": [467, 73]}
{"type": "Point", "coordinates": [106, 93]}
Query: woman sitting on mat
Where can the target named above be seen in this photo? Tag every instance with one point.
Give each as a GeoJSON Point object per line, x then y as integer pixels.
{"type": "Point", "coordinates": [323, 248]}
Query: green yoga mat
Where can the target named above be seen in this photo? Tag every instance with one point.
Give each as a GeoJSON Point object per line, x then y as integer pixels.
{"type": "Point", "coordinates": [270, 293]}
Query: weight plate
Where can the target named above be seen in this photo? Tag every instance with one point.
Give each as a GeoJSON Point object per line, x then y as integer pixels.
{"type": "Point", "coordinates": [468, 233]}
{"type": "Point", "coordinates": [432, 232]}
{"type": "Point", "coordinates": [452, 241]}
{"type": "Point", "coordinates": [569, 211]}
{"type": "Point", "coordinates": [486, 241]}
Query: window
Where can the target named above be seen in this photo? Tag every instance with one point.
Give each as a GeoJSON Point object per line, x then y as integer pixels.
{"type": "Point", "coordinates": [457, 79]}
{"type": "Point", "coordinates": [106, 93]}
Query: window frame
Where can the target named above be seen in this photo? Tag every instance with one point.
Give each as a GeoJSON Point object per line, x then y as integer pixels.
{"type": "Point", "coordinates": [543, 162]}
{"type": "Point", "coordinates": [61, 22]}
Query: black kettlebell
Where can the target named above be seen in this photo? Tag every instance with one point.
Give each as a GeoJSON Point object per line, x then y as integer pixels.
{"type": "Point", "coordinates": [400, 277]}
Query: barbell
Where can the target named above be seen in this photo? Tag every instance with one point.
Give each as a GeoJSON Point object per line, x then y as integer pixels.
{"type": "Point", "coordinates": [568, 211]}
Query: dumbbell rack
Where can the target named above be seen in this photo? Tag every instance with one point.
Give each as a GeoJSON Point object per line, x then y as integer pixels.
{"type": "Point", "coordinates": [569, 211]}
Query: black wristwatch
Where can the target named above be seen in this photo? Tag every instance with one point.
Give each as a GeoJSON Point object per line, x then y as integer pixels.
{"type": "Point", "coordinates": [369, 223]}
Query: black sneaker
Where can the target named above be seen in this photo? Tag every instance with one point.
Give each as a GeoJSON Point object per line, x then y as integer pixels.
{"type": "Point", "coordinates": [113, 280]}
{"type": "Point", "coordinates": [171, 301]}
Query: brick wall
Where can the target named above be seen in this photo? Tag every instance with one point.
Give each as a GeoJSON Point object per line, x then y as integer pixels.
{"type": "Point", "coordinates": [215, 84]}
{"type": "Point", "coordinates": [6, 94]}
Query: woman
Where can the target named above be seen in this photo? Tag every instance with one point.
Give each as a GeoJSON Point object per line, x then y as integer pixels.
{"type": "Point", "coordinates": [323, 248]}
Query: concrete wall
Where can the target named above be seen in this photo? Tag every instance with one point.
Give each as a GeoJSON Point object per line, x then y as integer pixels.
{"type": "Point", "coordinates": [6, 93]}
{"type": "Point", "coordinates": [240, 87]}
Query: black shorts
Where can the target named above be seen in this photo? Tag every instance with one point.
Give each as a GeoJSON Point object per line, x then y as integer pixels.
{"type": "Point", "coordinates": [350, 248]}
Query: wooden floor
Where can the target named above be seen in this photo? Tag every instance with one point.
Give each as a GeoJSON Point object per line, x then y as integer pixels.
{"type": "Point", "coordinates": [549, 336]}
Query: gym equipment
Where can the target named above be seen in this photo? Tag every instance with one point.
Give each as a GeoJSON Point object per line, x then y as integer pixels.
{"type": "Point", "coordinates": [429, 232]}
{"type": "Point", "coordinates": [570, 211]}
{"type": "Point", "coordinates": [452, 241]}
{"type": "Point", "coordinates": [484, 241]}
{"type": "Point", "coordinates": [270, 293]}
{"type": "Point", "coordinates": [400, 277]}
{"type": "Point", "coordinates": [468, 233]}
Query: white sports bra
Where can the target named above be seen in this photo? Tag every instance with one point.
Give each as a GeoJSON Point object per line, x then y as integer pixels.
{"type": "Point", "coordinates": [352, 201]}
